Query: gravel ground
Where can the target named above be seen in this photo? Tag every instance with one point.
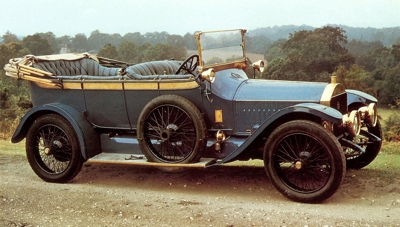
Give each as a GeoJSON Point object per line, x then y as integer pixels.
{"type": "Point", "coordinates": [122, 195]}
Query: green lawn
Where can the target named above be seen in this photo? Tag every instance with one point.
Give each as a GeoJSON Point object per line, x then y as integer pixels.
{"type": "Point", "coordinates": [385, 113]}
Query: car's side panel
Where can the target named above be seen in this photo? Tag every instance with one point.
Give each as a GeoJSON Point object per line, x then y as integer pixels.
{"type": "Point", "coordinates": [105, 104]}
{"type": "Point", "coordinates": [87, 136]}
{"type": "Point", "coordinates": [312, 109]}
{"type": "Point", "coordinates": [71, 97]}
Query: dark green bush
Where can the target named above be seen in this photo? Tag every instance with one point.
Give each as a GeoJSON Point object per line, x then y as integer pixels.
{"type": "Point", "coordinates": [392, 128]}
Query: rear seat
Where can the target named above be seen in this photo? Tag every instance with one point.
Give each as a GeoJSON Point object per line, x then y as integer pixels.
{"type": "Point", "coordinates": [81, 67]}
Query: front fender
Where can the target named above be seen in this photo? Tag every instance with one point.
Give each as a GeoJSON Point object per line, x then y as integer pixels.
{"type": "Point", "coordinates": [354, 96]}
{"type": "Point", "coordinates": [313, 109]}
{"type": "Point", "coordinates": [87, 136]}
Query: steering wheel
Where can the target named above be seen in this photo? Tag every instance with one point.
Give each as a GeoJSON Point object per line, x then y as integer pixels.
{"type": "Point", "coordinates": [189, 65]}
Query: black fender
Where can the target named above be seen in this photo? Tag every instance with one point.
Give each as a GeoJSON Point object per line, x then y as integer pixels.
{"type": "Point", "coordinates": [321, 111]}
{"type": "Point", "coordinates": [87, 136]}
{"type": "Point", "coordinates": [355, 96]}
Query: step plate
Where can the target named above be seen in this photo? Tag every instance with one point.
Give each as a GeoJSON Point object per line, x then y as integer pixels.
{"type": "Point", "coordinates": [115, 158]}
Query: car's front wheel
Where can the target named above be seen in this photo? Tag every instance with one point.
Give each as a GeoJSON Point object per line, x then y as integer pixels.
{"type": "Point", "coordinates": [52, 149]}
{"type": "Point", "coordinates": [304, 161]}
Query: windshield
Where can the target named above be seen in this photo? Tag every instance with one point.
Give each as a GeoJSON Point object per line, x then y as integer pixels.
{"type": "Point", "coordinates": [220, 48]}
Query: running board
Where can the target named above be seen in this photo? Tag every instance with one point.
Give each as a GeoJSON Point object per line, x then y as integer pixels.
{"type": "Point", "coordinates": [128, 159]}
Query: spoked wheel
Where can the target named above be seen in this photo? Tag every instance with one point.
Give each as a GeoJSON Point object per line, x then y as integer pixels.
{"type": "Point", "coordinates": [189, 66]}
{"type": "Point", "coordinates": [52, 149]}
{"type": "Point", "coordinates": [372, 147]}
{"type": "Point", "coordinates": [304, 161]}
{"type": "Point", "coordinates": [172, 130]}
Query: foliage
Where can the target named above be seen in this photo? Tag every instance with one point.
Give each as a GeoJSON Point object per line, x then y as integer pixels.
{"type": "Point", "coordinates": [275, 50]}
{"type": "Point", "coordinates": [257, 44]}
{"type": "Point", "coordinates": [392, 128]}
{"type": "Point", "coordinates": [79, 43]}
{"type": "Point", "coordinates": [128, 51]}
{"type": "Point", "coordinates": [8, 37]}
{"type": "Point", "coordinates": [312, 54]}
{"type": "Point", "coordinates": [51, 39]}
{"type": "Point", "coordinates": [37, 45]}
{"type": "Point", "coordinates": [108, 51]}
{"type": "Point", "coordinates": [354, 78]}
{"type": "Point", "coordinates": [14, 102]}
{"type": "Point", "coordinates": [162, 52]}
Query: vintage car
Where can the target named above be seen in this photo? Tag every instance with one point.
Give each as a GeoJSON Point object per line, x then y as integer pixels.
{"type": "Point", "coordinates": [201, 112]}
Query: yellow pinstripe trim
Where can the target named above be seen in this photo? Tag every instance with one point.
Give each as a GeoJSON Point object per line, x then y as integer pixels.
{"type": "Point", "coordinates": [141, 86]}
{"type": "Point", "coordinates": [102, 86]}
{"type": "Point", "coordinates": [129, 85]}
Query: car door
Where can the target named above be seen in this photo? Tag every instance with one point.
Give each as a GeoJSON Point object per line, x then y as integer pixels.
{"type": "Point", "coordinates": [105, 104]}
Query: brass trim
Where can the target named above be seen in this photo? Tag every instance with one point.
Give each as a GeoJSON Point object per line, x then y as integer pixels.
{"type": "Point", "coordinates": [102, 86]}
{"type": "Point", "coordinates": [120, 85]}
{"type": "Point", "coordinates": [141, 86]}
{"type": "Point", "coordinates": [178, 86]}
{"type": "Point", "coordinates": [218, 116]}
{"type": "Point", "coordinates": [72, 85]}
{"type": "Point", "coordinates": [331, 90]}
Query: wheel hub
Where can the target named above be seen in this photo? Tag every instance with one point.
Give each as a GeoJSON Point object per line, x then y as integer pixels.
{"type": "Point", "coordinates": [166, 133]}
{"type": "Point", "coordinates": [298, 165]}
{"type": "Point", "coordinates": [47, 151]}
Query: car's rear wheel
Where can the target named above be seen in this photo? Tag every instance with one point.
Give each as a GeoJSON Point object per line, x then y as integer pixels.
{"type": "Point", "coordinates": [372, 148]}
{"type": "Point", "coordinates": [171, 130]}
{"type": "Point", "coordinates": [52, 149]}
{"type": "Point", "coordinates": [304, 161]}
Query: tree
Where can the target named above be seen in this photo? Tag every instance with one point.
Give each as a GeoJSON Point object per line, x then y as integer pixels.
{"type": "Point", "coordinates": [156, 37]}
{"type": "Point", "coordinates": [257, 44]}
{"type": "Point", "coordinates": [8, 37]}
{"type": "Point", "coordinates": [51, 39]}
{"type": "Point", "coordinates": [97, 40]}
{"type": "Point", "coordinates": [64, 41]}
{"type": "Point", "coordinates": [354, 78]}
{"type": "Point", "coordinates": [191, 43]}
{"type": "Point", "coordinates": [127, 51]}
{"type": "Point", "coordinates": [36, 45]}
{"type": "Point", "coordinates": [312, 54]}
{"type": "Point", "coordinates": [275, 50]}
{"type": "Point", "coordinates": [5, 54]}
{"type": "Point", "coordinates": [135, 37]}
{"type": "Point", "coordinates": [163, 52]}
{"type": "Point", "coordinates": [176, 41]}
{"type": "Point", "coordinates": [79, 43]}
{"type": "Point", "coordinates": [108, 51]}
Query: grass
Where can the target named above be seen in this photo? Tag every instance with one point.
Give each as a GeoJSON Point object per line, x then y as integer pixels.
{"type": "Point", "coordinates": [385, 113]}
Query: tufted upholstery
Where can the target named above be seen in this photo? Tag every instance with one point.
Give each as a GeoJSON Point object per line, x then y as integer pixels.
{"type": "Point", "coordinates": [153, 68]}
{"type": "Point", "coordinates": [85, 66]}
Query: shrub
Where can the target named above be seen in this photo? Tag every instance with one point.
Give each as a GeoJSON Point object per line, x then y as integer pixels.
{"type": "Point", "coordinates": [392, 128]}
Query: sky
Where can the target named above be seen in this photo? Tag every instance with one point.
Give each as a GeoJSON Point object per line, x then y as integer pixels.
{"type": "Point", "coordinates": [70, 17]}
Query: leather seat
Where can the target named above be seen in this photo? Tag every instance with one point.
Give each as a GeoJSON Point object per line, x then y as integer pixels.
{"type": "Point", "coordinates": [153, 68]}
{"type": "Point", "coordinates": [83, 66]}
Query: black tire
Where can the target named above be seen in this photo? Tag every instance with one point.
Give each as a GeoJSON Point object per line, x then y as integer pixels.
{"type": "Point", "coordinates": [304, 161]}
{"type": "Point", "coordinates": [53, 150]}
{"type": "Point", "coordinates": [358, 161]}
{"type": "Point", "coordinates": [171, 130]}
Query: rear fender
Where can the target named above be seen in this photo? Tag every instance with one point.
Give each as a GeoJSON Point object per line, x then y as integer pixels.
{"type": "Point", "coordinates": [87, 136]}
{"type": "Point", "coordinates": [313, 109]}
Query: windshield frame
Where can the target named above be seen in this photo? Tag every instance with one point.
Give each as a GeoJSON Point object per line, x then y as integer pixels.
{"type": "Point", "coordinates": [240, 63]}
